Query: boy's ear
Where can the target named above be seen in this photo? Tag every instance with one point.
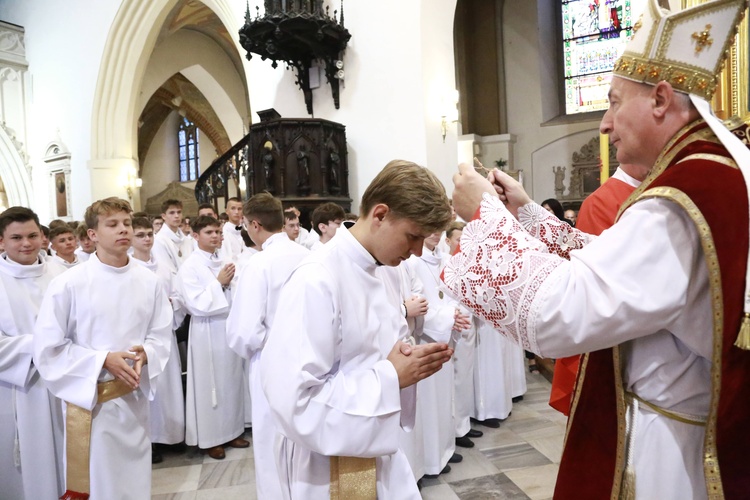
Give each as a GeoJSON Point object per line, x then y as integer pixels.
{"type": "Point", "coordinates": [380, 211]}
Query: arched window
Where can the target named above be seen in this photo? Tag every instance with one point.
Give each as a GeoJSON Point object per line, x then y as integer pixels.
{"type": "Point", "coordinates": [595, 33]}
{"type": "Point", "coordinates": [187, 136]}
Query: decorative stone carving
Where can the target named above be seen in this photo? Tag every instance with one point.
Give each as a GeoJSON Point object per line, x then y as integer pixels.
{"type": "Point", "coordinates": [584, 174]}
{"type": "Point", "coordinates": [173, 191]}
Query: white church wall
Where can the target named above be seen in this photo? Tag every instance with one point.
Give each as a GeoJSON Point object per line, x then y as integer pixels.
{"type": "Point", "coordinates": [526, 71]}
{"type": "Point", "coordinates": [392, 76]}
{"type": "Point", "coordinates": [64, 57]}
{"type": "Point", "coordinates": [549, 156]}
{"type": "Point", "coordinates": [160, 167]}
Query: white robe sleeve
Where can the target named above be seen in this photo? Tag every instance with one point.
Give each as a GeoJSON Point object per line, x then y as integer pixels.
{"type": "Point", "coordinates": [158, 342]}
{"type": "Point", "coordinates": [200, 292]}
{"type": "Point", "coordinates": [329, 410]}
{"type": "Point", "coordinates": [16, 367]}
{"type": "Point", "coordinates": [69, 370]}
{"type": "Point", "coordinates": [630, 282]}
{"type": "Point", "coordinates": [246, 324]}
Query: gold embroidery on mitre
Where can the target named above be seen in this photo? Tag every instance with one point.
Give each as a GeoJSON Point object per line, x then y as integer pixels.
{"type": "Point", "coordinates": [702, 39]}
{"type": "Point", "coordinates": [638, 24]}
{"type": "Point", "coordinates": [670, 59]}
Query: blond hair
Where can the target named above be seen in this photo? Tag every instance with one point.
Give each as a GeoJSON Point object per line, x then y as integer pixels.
{"type": "Point", "coordinates": [107, 206]}
{"type": "Point", "coordinates": [411, 192]}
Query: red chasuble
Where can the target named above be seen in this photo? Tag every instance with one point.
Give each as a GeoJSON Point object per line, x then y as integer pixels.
{"type": "Point", "coordinates": [695, 172]}
{"type": "Point", "coordinates": [598, 212]}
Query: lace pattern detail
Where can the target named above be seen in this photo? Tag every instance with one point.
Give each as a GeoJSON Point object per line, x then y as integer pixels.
{"type": "Point", "coordinates": [500, 271]}
{"type": "Point", "coordinates": [557, 235]}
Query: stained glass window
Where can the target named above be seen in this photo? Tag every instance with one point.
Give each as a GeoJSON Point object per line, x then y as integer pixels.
{"type": "Point", "coordinates": [187, 136]}
{"type": "Point", "coordinates": [594, 35]}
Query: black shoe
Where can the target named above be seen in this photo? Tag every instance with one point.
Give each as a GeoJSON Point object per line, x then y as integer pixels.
{"type": "Point", "coordinates": [446, 469]}
{"type": "Point", "coordinates": [464, 442]}
{"type": "Point", "coordinates": [491, 422]}
{"type": "Point", "coordinates": [156, 457]}
{"type": "Point", "coordinates": [517, 399]}
{"type": "Point", "coordinates": [456, 458]}
{"type": "Point", "coordinates": [474, 434]}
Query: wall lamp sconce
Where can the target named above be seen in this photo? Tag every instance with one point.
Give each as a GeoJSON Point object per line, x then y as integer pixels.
{"type": "Point", "coordinates": [132, 182]}
{"type": "Point", "coordinates": [450, 112]}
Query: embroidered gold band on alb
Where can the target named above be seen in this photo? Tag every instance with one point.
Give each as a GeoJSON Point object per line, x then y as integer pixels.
{"type": "Point", "coordinates": [78, 435]}
{"type": "Point", "coordinates": [353, 478]}
{"type": "Point", "coordinates": [673, 415]}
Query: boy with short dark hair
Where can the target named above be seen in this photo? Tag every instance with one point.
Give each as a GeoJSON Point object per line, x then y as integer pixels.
{"type": "Point", "coordinates": [326, 219]}
{"type": "Point", "coordinates": [291, 224]}
{"type": "Point", "coordinates": [101, 339]}
{"type": "Point", "coordinates": [168, 405]}
{"type": "Point", "coordinates": [215, 415]}
{"type": "Point", "coordinates": [171, 247]}
{"type": "Point", "coordinates": [32, 430]}
{"type": "Point", "coordinates": [233, 244]}
{"type": "Point", "coordinates": [63, 242]}
{"type": "Point", "coordinates": [86, 246]}
{"type": "Point", "coordinates": [336, 372]}
{"type": "Point", "coordinates": [248, 326]}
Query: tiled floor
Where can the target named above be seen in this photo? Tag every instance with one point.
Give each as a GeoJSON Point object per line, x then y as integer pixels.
{"type": "Point", "coordinates": [519, 460]}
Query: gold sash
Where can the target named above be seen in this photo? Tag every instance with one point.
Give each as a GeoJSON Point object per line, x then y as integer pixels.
{"type": "Point", "coordinates": [353, 478]}
{"type": "Point", "coordinates": [78, 437]}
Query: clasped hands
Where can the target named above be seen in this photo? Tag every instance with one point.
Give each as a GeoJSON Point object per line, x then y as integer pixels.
{"type": "Point", "coordinates": [470, 186]}
{"type": "Point", "coordinates": [117, 364]}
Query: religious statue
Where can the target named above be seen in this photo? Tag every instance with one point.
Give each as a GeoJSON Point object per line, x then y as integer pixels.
{"type": "Point", "coordinates": [303, 171]}
{"type": "Point", "coordinates": [267, 161]}
{"type": "Point", "coordinates": [559, 176]}
{"type": "Point", "coordinates": [333, 171]}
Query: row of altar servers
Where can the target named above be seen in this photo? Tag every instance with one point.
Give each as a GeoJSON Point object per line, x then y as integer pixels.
{"type": "Point", "coordinates": [485, 374]}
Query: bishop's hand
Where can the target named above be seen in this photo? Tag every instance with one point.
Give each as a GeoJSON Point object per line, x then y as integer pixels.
{"type": "Point", "coordinates": [509, 190]}
{"type": "Point", "coordinates": [469, 188]}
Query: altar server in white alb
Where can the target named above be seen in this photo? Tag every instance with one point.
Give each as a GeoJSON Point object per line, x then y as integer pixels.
{"type": "Point", "coordinates": [233, 245]}
{"type": "Point", "coordinates": [101, 339]}
{"type": "Point", "coordinates": [168, 406]}
{"type": "Point", "coordinates": [31, 437]}
{"type": "Point", "coordinates": [334, 373]}
{"type": "Point", "coordinates": [171, 247]}
{"type": "Point", "coordinates": [215, 414]}
{"type": "Point", "coordinates": [250, 321]}
{"type": "Point", "coordinates": [407, 297]}
{"type": "Point", "coordinates": [442, 323]}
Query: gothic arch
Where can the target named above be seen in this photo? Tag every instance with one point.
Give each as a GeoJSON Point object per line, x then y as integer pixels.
{"type": "Point", "coordinates": [13, 171]}
{"type": "Point", "coordinates": [128, 48]}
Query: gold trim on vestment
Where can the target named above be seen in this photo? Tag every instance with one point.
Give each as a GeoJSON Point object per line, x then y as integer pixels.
{"type": "Point", "coordinates": [672, 415]}
{"type": "Point", "coordinates": [78, 436]}
{"type": "Point", "coordinates": [353, 478]}
{"type": "Point", "coordinates": [621, 461]}
{"type": "Point", "coordinates": [666, 156]}
{"type": "Point", "coordinates": [729, 162]}
{"type": "Point", "coordinates": [577, 389]}
{"type": "Point", "coordinates": [710, 455]}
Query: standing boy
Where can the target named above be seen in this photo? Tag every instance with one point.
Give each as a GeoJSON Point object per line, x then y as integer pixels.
{"type": "Point", "coordinates": [63, 242]}
{"type": "Point", "coordinates": [334, 371]}
{"type": "Point", "coordinates": [85, 246]}
{"type": "Point", "coordinates": [214, 414]}
{"type": "Point", "coordinates": [31, 435]}
{"type": "Point", "coordinates": [233, 243]}
{"type": "Point", "coordinates": [168, 406]}
{"type": "Point", "coordinates": [248, 326]}
{"type": "Point", "coordinates": [326, 219]}
{"type": "Point", "coordinates": [171, 247]}
{"type": "Point", "coordinates": [101, 339]}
